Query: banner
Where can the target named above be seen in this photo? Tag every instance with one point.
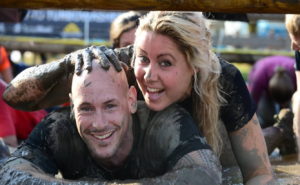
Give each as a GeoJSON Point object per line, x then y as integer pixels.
{"type": "Point", "coordinates": [85, 25]}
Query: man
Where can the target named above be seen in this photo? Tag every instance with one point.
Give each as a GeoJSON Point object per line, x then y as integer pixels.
{"type": "Point", "coordinates": [280, 71]}
{"type": "Point", "coordinates": [110, 137]}
{"type": "Point", "coordinates": [292, 23]}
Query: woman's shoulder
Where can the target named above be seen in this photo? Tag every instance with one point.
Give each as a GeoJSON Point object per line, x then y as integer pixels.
{"type": "Point", "coordinates": [227, 69]}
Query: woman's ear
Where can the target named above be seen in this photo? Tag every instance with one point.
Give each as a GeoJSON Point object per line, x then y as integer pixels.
{"type": "Point", "coordinates": [132, 99]}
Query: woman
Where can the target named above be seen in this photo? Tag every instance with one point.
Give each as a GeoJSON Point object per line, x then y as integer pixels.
{"type": "Point", "coordinates": [173, 62]}
{"type": "Point", "coordinates": [122, 29]}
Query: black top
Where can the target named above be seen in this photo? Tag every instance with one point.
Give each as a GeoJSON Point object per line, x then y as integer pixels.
{"type": "Point", "coordinates": [240, 107]}
{"type": "Point", "coordinates": [160, 140]}
{"type": "Point", "coordinates": [297, 57]}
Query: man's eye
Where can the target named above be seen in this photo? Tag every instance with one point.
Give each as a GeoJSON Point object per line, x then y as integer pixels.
{"type": "Point", "coordinates": [86, 109]}
{"type": "Point", "coordinates": [110, 106]}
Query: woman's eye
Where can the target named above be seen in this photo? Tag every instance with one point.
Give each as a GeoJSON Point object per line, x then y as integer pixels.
{"type": "Point", "coordinates": [143, 59]}
{"type": "Point", "coordinates": [165, 63]}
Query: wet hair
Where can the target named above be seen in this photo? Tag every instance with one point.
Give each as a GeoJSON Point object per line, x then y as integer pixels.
{"type": "Point", "coordinates": [121, 24]}
{"type": "Point", "coordinates": [189, 32]}
{"type": "Point", "coordinates": [292, 24]}
{"type": "Point", "coordinates": [281, 87]}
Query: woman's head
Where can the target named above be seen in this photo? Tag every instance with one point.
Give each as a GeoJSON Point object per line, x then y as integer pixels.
{"type": "Point", "coordinates": [173, 58]}
{"type": "Point", "coordinates": [123, 28]}
{"type": "Point", "coordinates": [292, 23]}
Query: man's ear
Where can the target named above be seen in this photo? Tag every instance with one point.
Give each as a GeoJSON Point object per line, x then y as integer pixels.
{"type": "Point", "coordinates": [132, 99]}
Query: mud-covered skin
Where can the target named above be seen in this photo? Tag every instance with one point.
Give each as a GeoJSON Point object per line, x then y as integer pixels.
{"type": "Point", "coordinates": [22, 172]}
{"type": "Point", "coordinates": [47, 85]}
{"type": "Point", "coordinates": [40, 86]}
{"type": "Point", "coordinates": [159, 155]}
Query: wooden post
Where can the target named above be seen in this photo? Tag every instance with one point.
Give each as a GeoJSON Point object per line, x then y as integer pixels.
{"type": "Point", "coordinates": [225, 6]}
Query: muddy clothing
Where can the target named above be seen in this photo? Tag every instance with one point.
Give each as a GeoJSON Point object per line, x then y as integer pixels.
{"type": "Point", "coordinates": [160, 140]}
{"type": "Point", "coordinates": [240, 107]}
{"type": "Point", "coordinates": [297, 57]}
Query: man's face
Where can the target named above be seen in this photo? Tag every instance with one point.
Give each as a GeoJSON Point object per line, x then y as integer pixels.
{"type": "Point", "coordinates": [103, 106]}
{"type": "Point", "coordinates": [295, 42]}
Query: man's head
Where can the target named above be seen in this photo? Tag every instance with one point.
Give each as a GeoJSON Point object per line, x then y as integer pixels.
{"type": "Point", "coordinates": [281, 87]}
{"type": "Point", "coordinates": [292, 23]}
{"type": "Point", "coordinates": [102, 105]}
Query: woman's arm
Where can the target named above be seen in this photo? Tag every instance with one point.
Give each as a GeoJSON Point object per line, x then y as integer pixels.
{"type": "Point", "coordinates": [250, 151]}
{"type": "Point", "coordinates": [40, 86]}
{"type": "Point", "coordinates": [49, 84]}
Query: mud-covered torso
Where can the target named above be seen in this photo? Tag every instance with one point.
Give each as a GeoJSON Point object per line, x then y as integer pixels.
{"type": "Point", "coordinates": [160, 140]}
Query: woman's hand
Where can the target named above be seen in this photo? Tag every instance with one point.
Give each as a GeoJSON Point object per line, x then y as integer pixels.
{"type": "Point", "coordinates": [83, 58]}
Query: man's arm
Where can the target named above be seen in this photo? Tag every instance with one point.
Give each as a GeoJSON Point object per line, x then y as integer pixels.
{"type": "Point", "coordinates": [193, 168]}
{"type": "Point", "coordinates": [250, 151]}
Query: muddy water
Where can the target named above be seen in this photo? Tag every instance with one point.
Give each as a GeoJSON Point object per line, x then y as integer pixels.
{"type": "Point", "coordinates": [286, 171]}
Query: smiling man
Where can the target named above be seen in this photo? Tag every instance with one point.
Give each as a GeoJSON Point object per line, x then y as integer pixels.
{"type": "Point", "coordinates": [110, 137]}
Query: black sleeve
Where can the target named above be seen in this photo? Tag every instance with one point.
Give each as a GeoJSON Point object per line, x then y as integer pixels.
{"type": "Point", "coordinates": [239, 107]}
{"type": "Point", "coordinates": [297, 57]}
{"type": "Point", "coordinates": [55, 145]}
{"type": "Point", "coordinates": [172, 133]}
{"type": "Point", "coordinates": [37, 148]}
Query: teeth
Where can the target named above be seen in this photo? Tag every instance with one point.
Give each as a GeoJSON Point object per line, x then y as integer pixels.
{"type": "Point", "coordinates": [104, 136]}
{"type": "Point", "coordinates": [153, 90]}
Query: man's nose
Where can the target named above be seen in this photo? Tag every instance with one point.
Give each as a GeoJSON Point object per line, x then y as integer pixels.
{"type": "Point", "coordinates": [100, 120]}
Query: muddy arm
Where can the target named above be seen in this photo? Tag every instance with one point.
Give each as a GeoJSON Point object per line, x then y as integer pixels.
{"type": "Point", "coordinates": [250, 150]}
{"type": "Point", "coordinates": [199, 167]}
{"type": "Point", "coordinates": [40, 86]}
{"type": "Point", "coordinates": [194, 168]}
{"type": "Point", "coordinates": [49, 84]}
{"type": "Point", "coordinates": [20, 171]}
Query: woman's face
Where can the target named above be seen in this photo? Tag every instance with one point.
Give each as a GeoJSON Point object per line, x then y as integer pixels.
{"type": "Point", "coordinates": [127, 38]}
{"type": "Point", "coordinates": [161, 70]}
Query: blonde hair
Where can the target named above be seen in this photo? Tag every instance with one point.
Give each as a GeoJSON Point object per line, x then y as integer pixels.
{"type": "Point", "coordinates": [189, 32]}
{"type": "Point", "coordinates": [124, 22]}
{"type": "Point", "coordinates": [292, 24]}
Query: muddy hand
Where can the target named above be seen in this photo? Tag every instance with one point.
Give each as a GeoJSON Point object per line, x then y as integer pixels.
{"type": "Point", "coordinates": [124, 54]}
{"type": "Point", "coordinates": [82, 59]}
{"type": "Point", "coordinates": [106, 57]}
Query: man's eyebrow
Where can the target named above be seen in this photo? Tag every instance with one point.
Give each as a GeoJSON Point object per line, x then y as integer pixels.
{"type": "Point", "coordinates": [110, 101]}
{"type": "Point", "coordinates": [84, 104]}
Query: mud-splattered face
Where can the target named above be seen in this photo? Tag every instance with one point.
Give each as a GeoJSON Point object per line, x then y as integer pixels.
{"type": "Point", "coordinates": [161, 70]}
{"type": "Point", "coordinates": [103, 106]}
{"type": "Point", "coordinates": [127, 38]}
